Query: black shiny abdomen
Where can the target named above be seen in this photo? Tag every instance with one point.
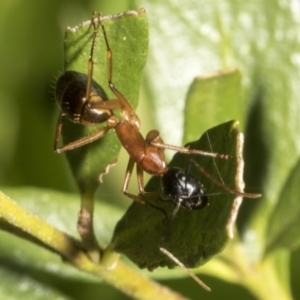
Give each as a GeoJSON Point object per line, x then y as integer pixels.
{"type": "Point", "coordinates": [70, 94]}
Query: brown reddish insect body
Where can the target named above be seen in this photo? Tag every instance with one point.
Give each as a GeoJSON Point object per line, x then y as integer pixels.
{"type": "Point", "coordinates": [84, 101]}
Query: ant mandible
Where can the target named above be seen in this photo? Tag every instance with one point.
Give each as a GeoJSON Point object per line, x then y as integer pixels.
{"type": "Point", "coordinates": [84, 101]}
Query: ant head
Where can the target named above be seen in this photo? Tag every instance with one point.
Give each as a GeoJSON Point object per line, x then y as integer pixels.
{"type": "Point", "coordinates": [182, 188]}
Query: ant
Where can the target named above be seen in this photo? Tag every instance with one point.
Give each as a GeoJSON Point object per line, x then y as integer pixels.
{"type": "Point", "coordinates": [83, 100]}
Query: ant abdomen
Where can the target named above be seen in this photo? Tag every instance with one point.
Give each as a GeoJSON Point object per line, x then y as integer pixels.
{"type": "Point", "coordinates": [183, 189]}
{"type": "Point", "coordinates": [71, 95]}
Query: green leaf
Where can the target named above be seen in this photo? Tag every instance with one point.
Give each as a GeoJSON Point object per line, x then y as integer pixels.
{"type": "Point", "coordinates": [261, 41]}
{"type": "Point", "coordinates": [223, 88]}
{"type": "Point", "coordinates": [128, 38]}
{"type": "Point", "coordinates": [284, 228]}
{"type": "Point", "coordinates": [29, 268]}
{"type": "Point", "coordinates": [195, 236]}
{"type": "Point", "coordinates": [17, 282]}
{"type": "Point", "coordinates": [60, 210]}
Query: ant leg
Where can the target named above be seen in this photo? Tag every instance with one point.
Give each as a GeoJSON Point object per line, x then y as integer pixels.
{"type": "Point", "coordinates": [127, 111]}
{"type": "Point", "coordinates": [126, 182]}
{"type": "Point", "coordinates": [220, 184]}
{"type": "Point", "coordinates": [189, 151]}
{"type": "Point", "coordinates": [58, 131]}
{"type": "Point", "coordinates": [90, 61]}
{"type": "Point", "coordinates": [140, 180]}
{"type": "Point", "coordinates": [108, 51]}
{"type": "Point", "coordinates": [80, 142]}
{"type": "Point", "coordinates": [141, 187]}
{"type": "Point", "coordinates": [155, 140]}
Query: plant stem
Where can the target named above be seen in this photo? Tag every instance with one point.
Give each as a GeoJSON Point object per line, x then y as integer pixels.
{"type": "Point", "coordinates": [19, 221]}
{"type": "Point", "coordinates": [85, 227]}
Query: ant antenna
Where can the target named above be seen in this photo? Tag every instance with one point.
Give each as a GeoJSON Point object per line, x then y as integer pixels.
{"type": "Point", "coordinates": [180, 264]}
{"type": "Point", "coordinates": [213, 159]}
{"type": "Point", "coordinates": [168, 227]}
{"type": "Point", "coordinates": [222, 185]}
{"type": "Point", "coordinates": [192, 200]}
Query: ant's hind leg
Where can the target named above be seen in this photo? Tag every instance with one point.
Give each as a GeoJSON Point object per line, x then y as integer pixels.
{"type": "Point", "coordinates": [127, 110]}
{"type": "Point", "coordinates": [77, 143]}
{"type": "Point", "coordinates": [108, 51]}
{"type": "Point", "coordinates": [91, 60]}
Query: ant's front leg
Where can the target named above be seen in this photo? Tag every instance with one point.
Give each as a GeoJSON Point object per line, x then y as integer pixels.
{"type": "Point", "coordinates": [140, 180]}
{"type": "Point", "coordinates": [128, 173]}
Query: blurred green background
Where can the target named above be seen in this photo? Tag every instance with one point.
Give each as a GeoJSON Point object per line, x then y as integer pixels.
{"type": "Point", "coordinates": [31, 45]}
